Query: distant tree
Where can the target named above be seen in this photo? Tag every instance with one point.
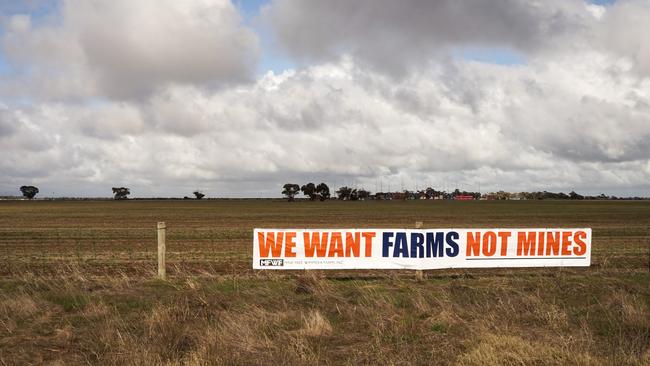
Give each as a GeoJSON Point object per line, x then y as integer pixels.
{"type": "Point", "coordinates": [198, 195]}
{"type": "Point", "coordinates": [309, 189]}
{"type": "Point", "coordinates": [537, 195]}
{"type": "Point", "coordinates": [363, 195]}
{"type": "Point", "coordinates": [408, 195]}
{"type": "Point", "coordinates": [29, 191]}
{"type": "Point", "coordinates": [323, 191]}
{"type": "Point", "coordinates": [344, 193]}
{"type": "Point", "coordinates": [290, 190]}
{"type": "Point", "coordinates": [120, 193]}
{"type": "Point", "coordinates": [430, 193]}
{"type": "Point", "coordinates": [530, 195]}
{"type": "Point", "coordinates": [574, 196]}
{"type": "Point", "coordinates": [555, 196]}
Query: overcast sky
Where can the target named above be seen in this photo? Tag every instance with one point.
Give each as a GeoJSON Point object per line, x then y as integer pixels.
{"type": "Point", "coordinates": [238, 98]}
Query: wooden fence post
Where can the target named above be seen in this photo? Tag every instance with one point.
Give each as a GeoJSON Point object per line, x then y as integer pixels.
{"type": "Point", "coordinates": [161, 250]}
{"type": "Point", "coordinates": [419, 274]}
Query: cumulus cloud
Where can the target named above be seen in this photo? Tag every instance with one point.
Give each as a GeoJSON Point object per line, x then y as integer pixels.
{"type": "Point", "coordinates": [395, 35]}
{"type": "Point", "coordinates": [623, 29]}
{"type": "Point", "coordinates": [527, 129]}
{"type": "Point", "coordinates": [124, 49]}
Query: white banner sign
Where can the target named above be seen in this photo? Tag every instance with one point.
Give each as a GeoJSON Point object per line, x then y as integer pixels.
{"type": "Point", "coordinates": [420, 248]}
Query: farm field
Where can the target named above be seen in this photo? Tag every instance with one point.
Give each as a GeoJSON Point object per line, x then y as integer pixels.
{"type": "Point", "coordinates": [77, 286]}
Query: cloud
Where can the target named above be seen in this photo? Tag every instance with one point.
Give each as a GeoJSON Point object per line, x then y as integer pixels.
{"type": "Point", "coordinates": [125, 50]}
{"type": "Point", "coordinates": [108, 121]}
{"type": "Point", "coordinates": [7, 124]}
{"type": "Point", "coordinates": [394, 36]}
{"type": "Point", "coordinates": [532, 127]}
{"type": "Point", "coordinates": [623, 29]}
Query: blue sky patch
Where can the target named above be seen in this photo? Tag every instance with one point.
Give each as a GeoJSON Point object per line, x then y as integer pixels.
{"type": "Point", "coordinates": [492, 55]}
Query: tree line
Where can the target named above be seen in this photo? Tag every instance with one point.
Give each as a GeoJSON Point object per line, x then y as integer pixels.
{"type": "Point", "coordinates": [321, 192]}
{"type": "Point", "coordinates": [119, 193]}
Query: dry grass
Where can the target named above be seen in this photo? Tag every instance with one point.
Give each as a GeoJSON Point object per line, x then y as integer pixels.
{"type": "Point", "coordinates": [252, 320]}
{"type": "Point", "coordinates": [495, 349]}
{"type": "Point", "coordinates": [89, 297]}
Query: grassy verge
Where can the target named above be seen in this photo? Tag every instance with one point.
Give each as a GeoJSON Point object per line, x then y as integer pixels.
{"type": "Point", "coordinates": [571, 318]}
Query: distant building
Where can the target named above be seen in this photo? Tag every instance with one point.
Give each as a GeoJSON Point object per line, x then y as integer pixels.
{"type": "Point", "coordinates": [464, 198]}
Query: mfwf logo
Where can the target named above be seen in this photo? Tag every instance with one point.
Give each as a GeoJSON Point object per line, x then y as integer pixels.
{"type": "Point", "coordinates": [271, 262]}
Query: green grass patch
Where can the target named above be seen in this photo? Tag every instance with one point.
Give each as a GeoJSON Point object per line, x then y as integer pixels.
{"type": "Point", "coordinates": [69, 301]}
{"type": "Point", "coordinates": [11, 286]}
{"type": "Point", "coordinates": [438, 328]}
